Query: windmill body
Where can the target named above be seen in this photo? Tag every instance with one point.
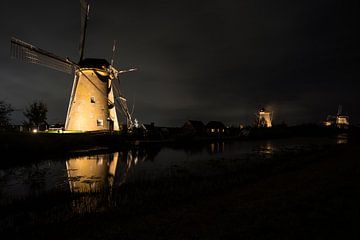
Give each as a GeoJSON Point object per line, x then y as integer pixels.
{"type": "Point", "coordinates": [92, 105]}
{"type": "Point", "coordinates": [264, 118]}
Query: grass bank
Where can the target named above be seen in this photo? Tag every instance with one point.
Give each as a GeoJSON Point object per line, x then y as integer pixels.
{"type": "Point", "coordinates": [302, 194]}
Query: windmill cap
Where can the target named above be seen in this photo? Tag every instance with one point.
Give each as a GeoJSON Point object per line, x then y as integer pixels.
{"type": "Point", "coordinates": [94, 63]}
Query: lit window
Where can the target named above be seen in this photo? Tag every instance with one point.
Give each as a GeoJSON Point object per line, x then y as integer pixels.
{"type": "Point", "coordinates": [100, 122]}
{"type": "Point", "coordinates": [92, 99]}
{"type": "Point", "coordinates": [212, 130]}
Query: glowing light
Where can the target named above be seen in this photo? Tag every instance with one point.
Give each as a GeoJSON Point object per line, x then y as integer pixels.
{"type": "Point", "coordinates": [34, 130]}
{"type": "Point", "coordinates": [102, 73]}
{"type": "Point", "coordinates": [265, 118]}
{"type": "Point", "coordinates": [342, 120]}
{"type": "Point", "coordinates": [328, 123]}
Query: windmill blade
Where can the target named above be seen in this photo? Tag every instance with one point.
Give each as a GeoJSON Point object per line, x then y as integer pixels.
{"type": "Point", "coordinates": [122, 101]}
{"type": "Point", "coordinates": [115, 73]}
{"type": "Point", "coordinates": [127, 70]}
{"type": "Point", "coordinates": [133, 106]}
{"type": "Point", "coordinates": [85, 8]}
{"type": "Point", "coordinates": [113, 53]}
{"type": "Point", "coordinates": [339, 110]}
{"type": "Point", "coordinates": [31, 54]}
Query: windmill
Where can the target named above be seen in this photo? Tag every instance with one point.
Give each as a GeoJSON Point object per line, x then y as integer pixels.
{"type": "Point", "coordinates": [342, 121]}
{"type": "Point", "coordinates": [264, 118]}
{"type": "Point", "coordinates": [92, 104]}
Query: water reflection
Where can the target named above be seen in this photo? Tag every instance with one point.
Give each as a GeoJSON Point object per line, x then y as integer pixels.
{"type": "Point", "coordinates": [342, 138]}
{"type": "Point", "coordinates": [267, 149]}
{"type": "Point", "coordinates": [216, 147]}
{"type": "Point", "coordinates": [128, 162]}
{"type": "Point", "coordinates": [92, 173]}
{"type": "Point", "coordinates": [104, 172]}
{"type": "Point", "coordinates": [101, 172]}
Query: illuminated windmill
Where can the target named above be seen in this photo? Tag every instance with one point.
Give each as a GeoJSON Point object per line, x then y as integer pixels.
{"type": "Point", "coordinates": [92, 105]}
{"type": "Point", "coordinates": [264, 118]}
{"type": "Point", "coordinates": [342, 121]}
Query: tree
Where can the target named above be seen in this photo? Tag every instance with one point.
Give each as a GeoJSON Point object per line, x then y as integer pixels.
{"type": "Point", "coordinates": [5, 112]}
{"type": "Point", "coordinates": [36, 114]}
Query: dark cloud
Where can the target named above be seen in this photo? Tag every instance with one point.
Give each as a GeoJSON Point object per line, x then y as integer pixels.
{"type": "Point", "coordinates": [198, 59]}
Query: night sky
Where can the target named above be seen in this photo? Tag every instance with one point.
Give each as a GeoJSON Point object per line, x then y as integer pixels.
{"type": "Point", "coordinates": [204, 60]}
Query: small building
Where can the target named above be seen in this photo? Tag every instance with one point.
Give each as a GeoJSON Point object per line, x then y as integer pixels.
{"type": "Point", "coordinates": [58, 127]}
{"type": "Point", "coordinates": [193, 127]}
{"type": "Point", "coordinates": [215, 128]}
{"type": "Point", "coordinates": [330, 121]}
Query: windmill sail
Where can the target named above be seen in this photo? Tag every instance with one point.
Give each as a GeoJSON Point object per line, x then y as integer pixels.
{"type": "Point", "coordinates": [121, 101]}
{"type": "Point", "coordinates": [339, 110]}
{"type": "Point", "coordinates": [85, 8]}
{"type": "Point", "coordinates": [31, 54]}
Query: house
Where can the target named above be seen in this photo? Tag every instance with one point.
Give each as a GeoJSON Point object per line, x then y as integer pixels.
{"type": "Point", "coordinates": [193, 127]}
{"type": "Point", "coordinates": [58, 127]}
{"type": "Point", "coordinates": [215, 128]}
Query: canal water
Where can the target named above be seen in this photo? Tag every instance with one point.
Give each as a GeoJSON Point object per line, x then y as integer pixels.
{"type": "Point", "coordinates": [101, 172]}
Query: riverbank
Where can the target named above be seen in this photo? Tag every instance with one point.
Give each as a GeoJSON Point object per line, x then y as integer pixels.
{"type": "Point", "coordinates": [31, 147]}
{"type": "Point", "coordinates": [306, 194]}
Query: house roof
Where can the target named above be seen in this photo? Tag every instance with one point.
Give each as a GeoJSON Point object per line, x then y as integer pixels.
{"type": "Point", "coordinates": [215, 124]}
{"type": "Point", "coordinates": [197, 125]}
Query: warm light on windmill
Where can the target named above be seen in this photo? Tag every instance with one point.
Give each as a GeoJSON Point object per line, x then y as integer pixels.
{"type": "Point", "coordinates": [92, 105]}
{"type": "Point", "coordinates": [264, 118]}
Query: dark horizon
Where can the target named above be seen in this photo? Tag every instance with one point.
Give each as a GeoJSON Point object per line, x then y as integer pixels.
{"type": "Point", "coordinates": [214, 60]}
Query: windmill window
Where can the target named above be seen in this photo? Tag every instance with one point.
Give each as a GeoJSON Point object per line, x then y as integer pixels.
{"type": "Point", "coordinates": [99, 122]}
{"type": "Point", "coordinates": [92, 99]}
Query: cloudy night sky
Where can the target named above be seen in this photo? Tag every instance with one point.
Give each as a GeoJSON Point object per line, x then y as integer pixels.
{"type": "Point", "coordinates": [204, 60]}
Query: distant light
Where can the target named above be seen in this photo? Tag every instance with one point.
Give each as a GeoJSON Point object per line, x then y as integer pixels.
{"type": "Point", "coordinates": [34, 130]}
{"type": "Point", "coordinates": [328, 123]}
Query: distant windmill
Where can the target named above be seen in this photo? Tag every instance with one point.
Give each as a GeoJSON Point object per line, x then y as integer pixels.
{"type": "Point", "coordinates": [342, 121]}
{"type": "Point", "coordinates": [92, 105]}
{"type": "Point", "coordinates": [264, 118]}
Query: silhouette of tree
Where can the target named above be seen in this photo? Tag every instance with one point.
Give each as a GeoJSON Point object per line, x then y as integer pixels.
{"type": "Point", "coordinates": [36, 114]}
{"type": "Point", "coordinates": [5, 112]}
